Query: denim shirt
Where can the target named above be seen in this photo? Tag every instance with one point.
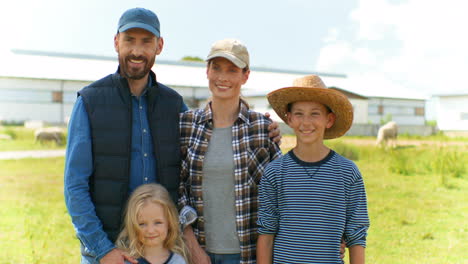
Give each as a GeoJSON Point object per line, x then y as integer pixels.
{"type": "Point", "coordinates": [143, 163]}
{"type": "Point", "coordinates": [79, 167]}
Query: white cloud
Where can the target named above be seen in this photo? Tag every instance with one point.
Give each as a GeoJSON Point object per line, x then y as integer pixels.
{"type": "Point", "coordinates": [332, 54]}
{"type": "Point", "coordinates": [418, 47]}
{"type": "Point", "coordinates": [374, 18]}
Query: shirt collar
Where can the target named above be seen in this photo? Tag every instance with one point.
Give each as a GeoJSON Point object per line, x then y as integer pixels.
{"type": "Point", "coordinates": [149, 84]}
{"type": "Point", "coordinates": [243, 116]}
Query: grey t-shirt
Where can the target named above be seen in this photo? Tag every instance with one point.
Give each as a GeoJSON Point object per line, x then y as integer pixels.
{"type": "Point", "coordinates": [218, 194]}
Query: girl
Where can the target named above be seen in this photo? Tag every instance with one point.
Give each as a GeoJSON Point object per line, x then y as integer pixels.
{"type": "Point", "coordinates": [151, 231]}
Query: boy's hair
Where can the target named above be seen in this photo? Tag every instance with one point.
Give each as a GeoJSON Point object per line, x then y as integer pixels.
{"type": "Point", "coordinates": [128, 237]}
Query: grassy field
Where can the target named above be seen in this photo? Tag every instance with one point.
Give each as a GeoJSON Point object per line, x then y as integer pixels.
{"type": "Point", "coordinates": [417, 196]}
{"type": "Point", "coordinates": [23, 139]}
{"type": "Point", "coordinates": [35, 226]}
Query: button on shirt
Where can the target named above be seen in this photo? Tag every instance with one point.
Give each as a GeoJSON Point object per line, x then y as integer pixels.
{"type": "Point", "coordinates": [143, 163]}
{"type": "Point", "coordinates": [79, 168]}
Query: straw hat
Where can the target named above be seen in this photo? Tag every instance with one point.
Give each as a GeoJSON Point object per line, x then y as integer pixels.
{"type": "Point", "coordinates": [312, 88]}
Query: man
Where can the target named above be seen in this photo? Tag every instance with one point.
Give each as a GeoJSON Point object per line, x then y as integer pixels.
{"type": "Point", "coordinates": [123, 132]}
{"type": "Point", "coordinates": [118, 138]}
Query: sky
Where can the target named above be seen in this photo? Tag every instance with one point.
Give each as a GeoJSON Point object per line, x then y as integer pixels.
{"type": "Point", "coordinates": [413, 48]}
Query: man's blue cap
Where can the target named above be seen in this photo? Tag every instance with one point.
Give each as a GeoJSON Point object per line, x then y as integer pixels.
{"type": "Point", "coordinates": [139, 18]}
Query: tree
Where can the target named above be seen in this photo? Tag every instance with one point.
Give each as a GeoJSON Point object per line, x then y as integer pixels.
{"type": "Point", "coordinates": [190, 58]}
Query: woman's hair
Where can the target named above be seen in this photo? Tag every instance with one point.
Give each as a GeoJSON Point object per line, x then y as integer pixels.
{"type": "Point", "coordinates": [128, 237]}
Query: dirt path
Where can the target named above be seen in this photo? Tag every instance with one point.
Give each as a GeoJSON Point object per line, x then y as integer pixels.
{"type": "Point", "coordinates": [6, 155]}
{"type": "Point", "coordinates": [287, 142]}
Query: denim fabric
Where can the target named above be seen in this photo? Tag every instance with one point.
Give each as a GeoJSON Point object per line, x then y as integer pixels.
{"type": "Point", "coordinates": [143, 162]}
{"type": "Point", "coordinates": [86, 258]}
{"type": "Point", "coordinates": [79, 167]}
{"type": "Point", "coordinates": [224, 258]}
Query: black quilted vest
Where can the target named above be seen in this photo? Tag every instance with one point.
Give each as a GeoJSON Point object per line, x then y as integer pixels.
{"type": "Point", "coordinates": [109, 107]}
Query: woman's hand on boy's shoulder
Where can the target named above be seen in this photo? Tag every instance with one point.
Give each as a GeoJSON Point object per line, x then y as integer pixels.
{"type": "Point", "coordinates": [273, 130]}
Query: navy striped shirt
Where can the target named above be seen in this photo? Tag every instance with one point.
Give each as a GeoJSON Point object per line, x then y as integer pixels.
{"type": "Point", "coordinates": [310, 206]}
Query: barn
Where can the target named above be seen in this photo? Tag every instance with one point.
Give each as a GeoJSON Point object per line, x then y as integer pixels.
{"type": "Point", "coordinates": [43, 86]}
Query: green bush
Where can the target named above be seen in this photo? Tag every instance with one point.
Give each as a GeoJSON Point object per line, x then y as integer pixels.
{"type": "Point", "coordinates": [401, 162]}
{"type": "Point", "coordinates": [449, 163]}
{"type": "Point", "coordinates": [441, 161]}
{"type": "Point", "coordinates": [9, 132]}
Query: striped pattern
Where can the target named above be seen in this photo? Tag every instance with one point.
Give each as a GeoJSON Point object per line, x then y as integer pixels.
{"type": "Point", "coordinates": [252, 150]}
{"type": "Point", "coordinates": [310, 215]}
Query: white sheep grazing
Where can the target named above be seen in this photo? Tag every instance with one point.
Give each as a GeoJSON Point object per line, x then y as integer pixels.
{"type": "Point", "coordinates": [387, 134]}
{"type": "Point", "coordinates": [49, 134]}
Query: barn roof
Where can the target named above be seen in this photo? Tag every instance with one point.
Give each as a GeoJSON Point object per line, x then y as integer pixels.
{"type": "Point", "coordinates": [79, 67]}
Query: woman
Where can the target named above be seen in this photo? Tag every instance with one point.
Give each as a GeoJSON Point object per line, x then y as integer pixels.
{"type": "Point", "coordinates": [225, 148]}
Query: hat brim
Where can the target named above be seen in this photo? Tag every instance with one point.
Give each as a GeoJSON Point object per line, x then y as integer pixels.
{"type": "Point", "coordinates": [228, 56]}
{"type": "Point", "coordinates": [336, 101]}
{"type": "Point", "coordinates": [140, 25]}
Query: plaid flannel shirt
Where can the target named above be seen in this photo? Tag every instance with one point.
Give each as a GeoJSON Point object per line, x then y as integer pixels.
{"type": "Point", "coordinates": [252, 149]}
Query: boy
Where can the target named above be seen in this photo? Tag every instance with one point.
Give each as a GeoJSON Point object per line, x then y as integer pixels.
{"type": "Point", "coordinates": [312, 197]}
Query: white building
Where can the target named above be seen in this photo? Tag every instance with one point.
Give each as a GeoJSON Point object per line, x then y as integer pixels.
{"type": "Point", "coordinates": [360, 106]}
{"type": "Point", "coordinates": [43, 86]}
{"type": "Point", "coordinates": [451, 112]}
{"type": "Point", "coordinates": [404, 111]}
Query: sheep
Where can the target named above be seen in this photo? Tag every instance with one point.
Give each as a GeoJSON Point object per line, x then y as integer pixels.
{"type": "Point", "coordinates": [49, 134]}
{"type": "Point", "coordinates": [387, 134]}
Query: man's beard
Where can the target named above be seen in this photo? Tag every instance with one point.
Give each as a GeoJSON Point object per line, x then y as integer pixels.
{"type": "Point", "coordinates": [133, 74]}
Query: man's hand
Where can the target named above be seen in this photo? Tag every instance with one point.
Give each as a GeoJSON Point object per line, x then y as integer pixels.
{"type": "Point", "coordinates": [273, 130]}
{"type": "Point", "coordinates": [197, 254]}
{"type": "Point", "coordinates": [117, 256]}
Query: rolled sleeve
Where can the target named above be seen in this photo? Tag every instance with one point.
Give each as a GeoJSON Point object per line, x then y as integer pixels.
{"type": "Point", "coordinates": [268, 215]}
{"type": "Point", "coordinates": [78, 169]}
{"type": "Point", "coordinates": [183, 188]}
{"type": "Point", "coordinates": [357, 219]}
{"type": "Point", "coordinates": [184, 174]}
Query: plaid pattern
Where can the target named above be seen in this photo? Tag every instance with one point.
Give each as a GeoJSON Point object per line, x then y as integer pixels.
{"type": "Point", "coordinates": [252, 149]}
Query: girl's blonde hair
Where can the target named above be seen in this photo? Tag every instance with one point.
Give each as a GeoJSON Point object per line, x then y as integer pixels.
{"type": "Point", "coordinates": [128, 237]}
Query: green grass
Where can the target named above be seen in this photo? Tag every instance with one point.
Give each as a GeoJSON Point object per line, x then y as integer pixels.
{"type": "Point", "coordinates": [415, 218]}
{"type": "Point", "coordinates": [23, 139]}
{"type": "Point", "coordinates": [34, 224]}
{"type": "Point", "coordinates": [417, 198]}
